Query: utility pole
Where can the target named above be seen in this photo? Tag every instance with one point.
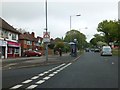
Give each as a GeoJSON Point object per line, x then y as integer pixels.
{"type": "Point", "coordinates": [46, 31]}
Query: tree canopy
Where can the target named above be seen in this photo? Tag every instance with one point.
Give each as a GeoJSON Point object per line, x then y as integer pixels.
{"type": "Point", "coordinates": [110, 30]}
{"type": "Point", "coordinates": [75, 34]}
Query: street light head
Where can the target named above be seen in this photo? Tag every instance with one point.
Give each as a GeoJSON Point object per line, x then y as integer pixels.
{"type": "Point", "coordinates": [86, 27]}
{"type": "Point", "coordinates": [78, 15]}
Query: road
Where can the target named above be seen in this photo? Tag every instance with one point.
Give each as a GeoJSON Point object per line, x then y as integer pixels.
{"type": "Point", "coordinates": [90, 71]}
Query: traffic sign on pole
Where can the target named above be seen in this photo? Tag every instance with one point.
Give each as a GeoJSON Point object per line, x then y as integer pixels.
{"type": "Point", "coordinates": [46, 36]}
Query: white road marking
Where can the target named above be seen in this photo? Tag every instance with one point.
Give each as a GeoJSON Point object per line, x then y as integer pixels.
{"type": "Point", "coordinates": [41, 74]}
{"type": "Point", "coordinates": [58, 70]}
{"type": "Point", "coordinates": [53, 69]}
{"type": "Point", "coordinates": [35, 77]}
{"type": "Point", "coordinates": [27, 81]}
{"type": "Point", "coordinates": [50, 75]}
{"type": "Point", "coordinates": [55, 72]}
{"type": "Point", "coordinates": [57, 67]}
{"type": "Point", "coordinates": [50, 70]}
{"type": "Point", "coordinates": [113, 63]}
{"type": "Point", "coordinates": [61, 69]}
{"type": "Point", "coordinates": [32, 86]}
{"type": "Point", "coordinates": [46, 72]}
{"type": "Point", "coordinates": [16, 87]}
{"type": "Point", "coordinates": [46, 78]}
{"type": "Point", "coordinates": [65, 66]}
{"type": "Point", "coordinates": [40, 82]}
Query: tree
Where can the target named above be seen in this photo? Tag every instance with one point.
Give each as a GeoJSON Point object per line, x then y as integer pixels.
{"type": "Point", "coordinates": [110, 30]}
{"type": "Point", "coordinates": [75, 34]}
{"type": "Point", "coordinates": [59, 45]}
{"type": "Point", "coordinates": [97, 38]}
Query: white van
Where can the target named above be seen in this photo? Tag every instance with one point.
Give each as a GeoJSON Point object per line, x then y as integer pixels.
{"type": "Point", "coordinates": [106, 50]}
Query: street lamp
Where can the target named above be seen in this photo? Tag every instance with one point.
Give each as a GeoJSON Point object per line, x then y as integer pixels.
{"type": "Point", "coordinates": [71, 17]}
{"type": "Point", "coordinates": [81, 39]}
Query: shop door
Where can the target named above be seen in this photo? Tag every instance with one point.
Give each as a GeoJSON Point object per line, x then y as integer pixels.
{"type": "Point", "coordinates": [3, 52]}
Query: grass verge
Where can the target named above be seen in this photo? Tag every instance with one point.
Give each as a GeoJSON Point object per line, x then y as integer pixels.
{"type": "Point", "coordinates": [116, 52]}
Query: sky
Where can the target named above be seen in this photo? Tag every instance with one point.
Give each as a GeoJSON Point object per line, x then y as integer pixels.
{"type": "Point", "coordinates": [30, 15]}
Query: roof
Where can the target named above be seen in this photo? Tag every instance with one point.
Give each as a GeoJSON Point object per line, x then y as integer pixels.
{"type": "Point", "coordinates": [38, 38]}
{"type": "Point", "coordinates": [8, 27]}
{"type": "Point", "coordinates": [26, 36]}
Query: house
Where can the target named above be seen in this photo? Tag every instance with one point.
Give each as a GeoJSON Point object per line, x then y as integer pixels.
{"type": "Point", "coordinates": [29, 42]}
{"type": "Point", "coordinates": [9, 46]}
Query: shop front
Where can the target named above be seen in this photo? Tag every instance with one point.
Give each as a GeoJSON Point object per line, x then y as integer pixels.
{"type": "Point", "coordinates": [3, 49]}
{"type": "Point", "coordinates": [14, 49]}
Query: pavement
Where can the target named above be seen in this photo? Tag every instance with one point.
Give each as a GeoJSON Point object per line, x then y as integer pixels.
{"type": "Point", "coordinates": [23, 62]}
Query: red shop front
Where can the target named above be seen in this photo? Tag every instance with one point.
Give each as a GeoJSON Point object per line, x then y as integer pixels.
{"type": "Point", "coordinates": [14, 49]}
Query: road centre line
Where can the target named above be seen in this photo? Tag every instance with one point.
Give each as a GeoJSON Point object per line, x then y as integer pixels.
{"type": "Point", "coordinates": [46, 72]}
{"type": "Point", "coordinates": [16, 87]}
{"type": "Point", "coordinates": [35, 77]}
{"type": "Point", "coordinates": [40, 82]}
{"type": "Point", "coordinates": [65, 66]}
{"type": "Point", "coordinates": [41, 74]}
{"type": "Point", "coordinates": [50, 75]}
{"type": "Point", "coordinates": [46, 78]}
{"type": "Point", "coordinates": [55, 72]}
{"type": "Point", "coordinates": [27, 81]}
{"type": "Point", "coordinates": [57, 67]}
{"type": "Point", "coordinates": [32, 87]}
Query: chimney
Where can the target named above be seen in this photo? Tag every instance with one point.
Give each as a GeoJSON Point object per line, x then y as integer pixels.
{"type": "Point", "coordinates": [33, 34]}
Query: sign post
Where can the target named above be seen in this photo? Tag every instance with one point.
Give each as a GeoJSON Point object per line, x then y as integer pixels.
{"type": "Point", "coordinates": [46, 40]}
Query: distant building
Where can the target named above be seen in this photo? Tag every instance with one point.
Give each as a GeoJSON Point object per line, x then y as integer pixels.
{"type": "Point", "coordinates": [9, 46]}
{"type": "Point", "coordinates": [29, 42]}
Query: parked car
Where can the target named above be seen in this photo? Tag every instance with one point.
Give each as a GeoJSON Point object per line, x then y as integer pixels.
{"type": "Point", "coordinates": [32, 53]}
{"type": "Point", "coordinates": [96, 50]}
{"type": "Point", "coordinates": [92, 49]}
{"type": "Point", "coordinates": [87, 49]}
{"type": "Point", "coordinates": [106, 50]}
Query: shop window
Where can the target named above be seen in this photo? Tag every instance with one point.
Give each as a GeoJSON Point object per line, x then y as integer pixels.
{"type": "Point", "coordinates": [16, 50]}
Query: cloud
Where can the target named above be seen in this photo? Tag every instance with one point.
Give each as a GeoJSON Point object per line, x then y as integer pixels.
{"type": "Point", "coordinates": [31, 16]}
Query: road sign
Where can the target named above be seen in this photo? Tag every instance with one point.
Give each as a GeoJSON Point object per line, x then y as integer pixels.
{"type": "Point", "coordinates": [46, 36]}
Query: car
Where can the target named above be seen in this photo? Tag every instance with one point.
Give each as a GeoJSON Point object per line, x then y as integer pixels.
{"type": "Point", "coordinates": [106, 50]}
{"type": "Point", "coordinates": [30, 53]}
{"type": "Point", "coordinates": [87, 49]}
{"type": "Point", "coordinates": [92, 49]}
{"type": "Point", "coordinates": [96, 50]}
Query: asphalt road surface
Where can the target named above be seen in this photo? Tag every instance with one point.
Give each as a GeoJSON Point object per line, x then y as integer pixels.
{"type": "Point", "coordinates": [90, 71]}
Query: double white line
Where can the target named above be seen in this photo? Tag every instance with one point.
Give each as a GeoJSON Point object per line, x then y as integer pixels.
{"type": "Point", "coordinates": [44, 79]}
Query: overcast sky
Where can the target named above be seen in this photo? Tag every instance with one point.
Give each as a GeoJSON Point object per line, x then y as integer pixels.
{"type": "Point", "coordinates": [30, 15]}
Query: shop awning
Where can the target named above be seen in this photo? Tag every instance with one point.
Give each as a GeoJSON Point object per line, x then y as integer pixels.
{"type": "Point", "coordinates": [13, 44]}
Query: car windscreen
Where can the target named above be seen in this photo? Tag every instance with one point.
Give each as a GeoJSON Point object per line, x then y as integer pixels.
{"type": "Point", "coordinates": [106, 49]}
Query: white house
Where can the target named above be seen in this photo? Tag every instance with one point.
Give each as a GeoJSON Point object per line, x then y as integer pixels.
{"type": "Point", "coordinates": [9, 41]}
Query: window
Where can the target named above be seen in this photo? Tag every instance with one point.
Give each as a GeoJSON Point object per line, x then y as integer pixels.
{"type": "Point", "coordinates": [25, 42]}
{"type": "Point", "coordinates": [13, 36]}
{"type": "Point", "coordinates": [4, 34]}
{"type": "Point", "coordinates": [29, 42]}
{"type": "Point", "coordinates": [17, 50]}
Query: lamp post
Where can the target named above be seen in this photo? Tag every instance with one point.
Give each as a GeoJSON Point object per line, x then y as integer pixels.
{"type": "Point", "coordinates": [73, 43]}
{"type": "Point", "coordinates": [46, 31]}
{"type": "Point", "coordinates": [81, 39]}
{"type": "Point", "coordinates": [71, 17]}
